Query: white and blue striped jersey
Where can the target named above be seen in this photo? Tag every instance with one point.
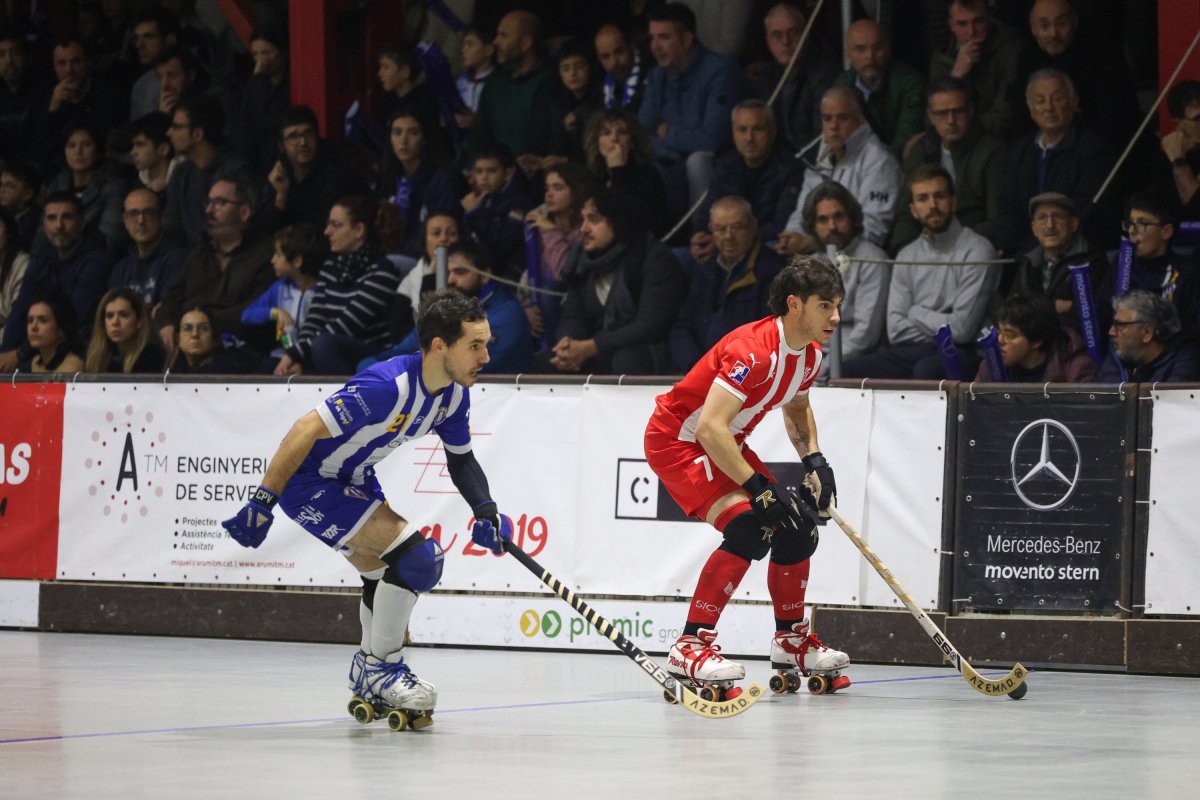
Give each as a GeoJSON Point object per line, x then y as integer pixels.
{"type": "Point", "coordinates": [380, 409]}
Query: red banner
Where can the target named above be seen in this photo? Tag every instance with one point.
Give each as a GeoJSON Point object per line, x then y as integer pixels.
{"type": "Point", "coordinates": [31, 426]}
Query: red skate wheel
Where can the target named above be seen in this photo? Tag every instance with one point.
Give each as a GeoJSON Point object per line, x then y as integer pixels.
{"type": "Point", "coordinates": [733, 693]}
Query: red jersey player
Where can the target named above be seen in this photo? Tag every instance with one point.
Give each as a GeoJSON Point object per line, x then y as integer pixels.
{"type": "Point", "coordinates": [695, 443]}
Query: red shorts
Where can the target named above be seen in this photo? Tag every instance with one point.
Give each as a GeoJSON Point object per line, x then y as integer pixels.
{"type": "Point", "coordinates": [688, 473]}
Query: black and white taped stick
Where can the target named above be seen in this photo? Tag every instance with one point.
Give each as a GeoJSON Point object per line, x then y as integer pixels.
{"type": "Point", "coordinates": [672, 687]}
{"type": "Point", "coordinates": [1012, 684]}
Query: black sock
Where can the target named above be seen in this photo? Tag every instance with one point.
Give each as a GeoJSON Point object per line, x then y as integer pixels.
{"type": "Point", "coordinates": [692, 628]}
{"type": "Point", "coordinates": [785, 624]}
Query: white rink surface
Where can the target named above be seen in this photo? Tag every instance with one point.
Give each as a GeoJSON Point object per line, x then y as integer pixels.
{"type": "Point", "coordinates": [89, 716]}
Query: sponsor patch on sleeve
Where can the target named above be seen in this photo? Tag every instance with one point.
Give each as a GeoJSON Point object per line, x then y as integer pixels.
{"type": "Point", "coordinates": [342, 412]}
{"type": "Point", "coordinates": [738, 374]}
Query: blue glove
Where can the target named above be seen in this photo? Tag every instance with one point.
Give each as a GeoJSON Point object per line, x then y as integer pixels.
{"type": "Point", "coordinates": [249, 527]}
{"type": "Point", "coordinates": [485, 534]}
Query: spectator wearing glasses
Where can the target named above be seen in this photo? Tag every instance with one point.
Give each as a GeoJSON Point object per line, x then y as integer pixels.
{"type": "Point", "coordinates": [224, 273]}
{"type": "Point", "coordinates": [1147, 343]}
{"type": "Point", "coordinates": [197, 125]}
{"type": "Point", "coordinates": [1151, 223]}
{"type": "Point", "coordinates": [310, 175]}
{"type": "Point", "coordinates": [1182, 145]}
{"type": "Point", "coordinates": [955, 140]}
{"type": "Point", "coordinates": [151, 262]}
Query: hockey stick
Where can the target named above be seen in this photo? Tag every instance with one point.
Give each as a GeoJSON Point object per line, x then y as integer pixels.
{"type": "Point", "coordinates": [1012, 684]}
{"type": "Point", "coordinates": [672, 688]}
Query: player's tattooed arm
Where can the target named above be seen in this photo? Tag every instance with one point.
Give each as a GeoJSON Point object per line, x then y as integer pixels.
{"type": "Point", "coordinates": [801, 425]}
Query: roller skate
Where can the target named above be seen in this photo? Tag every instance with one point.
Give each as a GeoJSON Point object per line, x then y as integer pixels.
{"type": "Point", "coordinates": [698, 664]}
{"type": "Point", "coordinates": [798, 654]}
{"type": "Point", "coordinates": [389, 689]}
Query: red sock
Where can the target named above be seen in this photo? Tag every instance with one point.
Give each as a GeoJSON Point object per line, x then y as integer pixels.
{"type": "Point", "coordinates": [718, 581]}
{"type": "Point", "coordinates": [787, 585]}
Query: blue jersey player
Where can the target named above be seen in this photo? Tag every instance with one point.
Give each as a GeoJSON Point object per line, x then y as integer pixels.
{"type": "Point", "coordinates": [323, 477]}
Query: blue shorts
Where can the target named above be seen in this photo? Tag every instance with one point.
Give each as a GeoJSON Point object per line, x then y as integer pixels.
{"type": "Point", "coordinates": [329, 509]}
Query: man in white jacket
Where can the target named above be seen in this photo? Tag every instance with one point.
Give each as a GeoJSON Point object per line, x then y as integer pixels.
{"type": "Point", "coordinates": [948, 287]}
{"type": "Point", "coordinates": [851, 154]}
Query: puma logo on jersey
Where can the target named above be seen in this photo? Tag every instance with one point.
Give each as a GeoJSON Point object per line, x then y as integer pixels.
{"type": "Point", "coordinates": [729, 589]}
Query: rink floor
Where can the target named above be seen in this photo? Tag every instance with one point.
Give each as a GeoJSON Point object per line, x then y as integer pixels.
{"type": "Point", "coordinates": [87, 716]}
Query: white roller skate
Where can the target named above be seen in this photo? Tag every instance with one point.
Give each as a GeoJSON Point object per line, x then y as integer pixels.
{"type": "Point", "coordinates": [797, 654]}
{"type": "Point", "coordinates": [390, 689]}
{"type": "Point", "coordinates": [698, 664]}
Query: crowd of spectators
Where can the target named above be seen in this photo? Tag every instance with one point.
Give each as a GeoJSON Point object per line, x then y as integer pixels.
{"type": "Point", "coordinates": [618, 189]}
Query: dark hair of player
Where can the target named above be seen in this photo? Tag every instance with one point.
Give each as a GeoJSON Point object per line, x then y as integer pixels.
{"type": "Point", "coordinates": [803, 277]}
{"type": "Point", "coordinates": [442, 314]}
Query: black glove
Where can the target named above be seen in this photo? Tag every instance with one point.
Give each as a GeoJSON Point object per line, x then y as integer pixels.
{"type": "Point", "coordinates": [819, 482]}
{"type": "Point", "coordinates": [773, 505]}
{"type": "Point", "coordinates": [250, 525]}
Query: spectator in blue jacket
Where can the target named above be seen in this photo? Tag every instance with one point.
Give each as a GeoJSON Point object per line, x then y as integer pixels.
{"type": "Point", "coordinates": [299, 253]}
{"type": "Point", "coordinates": [74, 264]}
{"type": "Point", "coordinates": [688, 99]}
{"type": "Point", "coordinates": [496, 208]}
{"type": "Point", "coordinates": [470, 267]}
{"type": "Point", "coordinates": [152, 261]}
{"type": "Point", "coordinates": [1147, 343]}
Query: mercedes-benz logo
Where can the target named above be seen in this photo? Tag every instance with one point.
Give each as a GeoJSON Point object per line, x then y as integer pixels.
{"type": "Point", "coordinates": [1045, 467]}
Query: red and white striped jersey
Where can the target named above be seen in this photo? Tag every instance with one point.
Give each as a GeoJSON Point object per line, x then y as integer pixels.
{"type": "Point", "coordinates": [755, 365]}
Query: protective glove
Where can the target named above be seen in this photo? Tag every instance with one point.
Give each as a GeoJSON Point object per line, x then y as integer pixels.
{"type": "Point", "coordinates": [250, 525]}
{"type": "Point", "coordinates": [773, 505]}
{"type": "Point", "coordinates": [486, 534]}
{"type": "Point", "coordinates": [819, 482]}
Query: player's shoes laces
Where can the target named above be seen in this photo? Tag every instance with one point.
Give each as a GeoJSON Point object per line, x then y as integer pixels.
{"type": "Point", "coordinates": [395, 684]}
{"type": "Point", "coordinates": [358, 665]}
{"type": "Point", "coordinates": [799, 648]}
{"type": "Point", "coordinates": [697, 658]}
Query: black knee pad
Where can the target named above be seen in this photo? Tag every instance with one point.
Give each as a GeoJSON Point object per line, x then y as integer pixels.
{"type": "Point", "coordinates": [792, 547]}
{"type": "Point", "coordinates": [745, 537]}
{"type": "Point", "coordinates": [368, 595]}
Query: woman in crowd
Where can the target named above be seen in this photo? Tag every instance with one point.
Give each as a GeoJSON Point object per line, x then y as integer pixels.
{"type": "Point", "coordinates": [440, 229]}
{"type": "Point", "coordinates": [348, 318]}
{"type": "Point", "coordinates": [13, 262]}
{"type": "Point", "coordinates": [121, 336]}
{"type": "Point", "coordinates": [557, 220]}
{"type": "Point", "coordinates": [201, 348]}
{"type": "Point", "coordinates": [97, 182]}
{"type": "Point", "coordinates": [619, 154]}
{"type": "Point", "coordinates": [415, 178]}
{"type": "Point", "coordinates": [50, 321]}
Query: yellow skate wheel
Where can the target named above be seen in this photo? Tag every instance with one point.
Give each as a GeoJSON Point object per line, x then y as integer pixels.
{"type": "Point", "coordinates": [778, 683]}
{"type": "Point", "coordinates": [363, 713]}
{"type": "Point", "coordinates": [670, 698]}
{"type": "Point", "coordinates": [397, 720]}
{"type": "Point", "coordinates": [708, 693]}
{"type": "Point", "coordinates": [817, 684]}
{"type": "Point", "coordinates": [793, 683]}
{"type": "Point", "coordinates": [354, 701]}
{"type": "Point", "coordinates": [423, 721]}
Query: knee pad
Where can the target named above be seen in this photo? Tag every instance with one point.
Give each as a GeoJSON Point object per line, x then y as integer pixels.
{"type": "Point", "coordinates": [370, 581]}
{"type": "Point", "coordinates": [416, 564]}
{"type": "Point", "coordinates": [792, 547]}
{"type": "Point", "coordinates": [745, 537]}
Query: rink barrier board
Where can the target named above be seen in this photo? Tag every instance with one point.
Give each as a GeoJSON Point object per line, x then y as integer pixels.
{"type": "Point", "coordinates": [1166, 647]}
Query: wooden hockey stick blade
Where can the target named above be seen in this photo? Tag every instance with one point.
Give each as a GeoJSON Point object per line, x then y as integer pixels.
{"type": "Point", "coordinates": [1009, 684]}
{"type": "Point", "coordinates": [670, 685]}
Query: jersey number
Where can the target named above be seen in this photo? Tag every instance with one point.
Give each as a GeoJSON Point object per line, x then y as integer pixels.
{"type": "Point", "coordinates": [707, 466]}
{"type": "Point", "coordinates": [398, 423]}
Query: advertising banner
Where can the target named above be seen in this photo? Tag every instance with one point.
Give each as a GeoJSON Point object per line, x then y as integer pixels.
{"type": "Point", "coordinates": [31, 445]}
{"type": "Point", "coordinates": [1044, 503]}
{"type": "Point", "coordinates": [1172, 546]}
